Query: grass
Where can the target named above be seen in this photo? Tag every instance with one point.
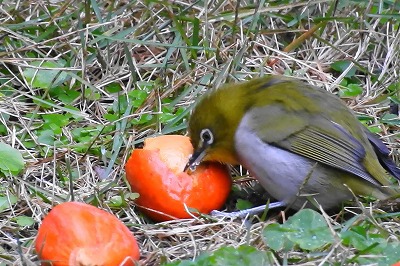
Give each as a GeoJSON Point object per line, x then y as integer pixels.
{"type": "Point", "coordinates": [84, 82]}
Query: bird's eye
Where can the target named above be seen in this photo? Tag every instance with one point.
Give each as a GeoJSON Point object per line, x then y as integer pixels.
{"type": "Point", "coordinates": [207, 136]}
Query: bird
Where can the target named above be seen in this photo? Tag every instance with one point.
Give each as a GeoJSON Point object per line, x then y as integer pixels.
{"type": "Point", "coordinates": [303, 144]}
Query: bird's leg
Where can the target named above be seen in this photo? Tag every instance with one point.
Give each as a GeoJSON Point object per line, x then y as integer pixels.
{"type": "Point", "coordinates": [251, 211]}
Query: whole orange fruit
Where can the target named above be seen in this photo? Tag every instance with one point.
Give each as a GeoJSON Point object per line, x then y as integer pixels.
{"type": "Point", "coordinates": [156, 173]}
{"type": "Point", "coordinates": [76, 233]}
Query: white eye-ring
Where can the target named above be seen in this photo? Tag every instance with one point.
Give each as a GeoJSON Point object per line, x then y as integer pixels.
{"type": "Point", "coordinates": [207, 136]}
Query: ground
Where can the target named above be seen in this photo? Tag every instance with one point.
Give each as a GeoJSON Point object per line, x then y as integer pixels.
{"type": "Point", "coordinates": [82, 83]}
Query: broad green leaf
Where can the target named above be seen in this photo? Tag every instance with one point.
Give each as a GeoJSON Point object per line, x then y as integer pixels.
{"type": "Point", "coordinates": [55, 122]}
{"type": "Point", "coordinates": [391, 254]}
{"type": "Point", "coordinates": [275, 236]}
{"type": "Point", "coordinates": [11, 161]}
{"type": "Point", "coordinates": [375, 129]}
{"type": "Point", "coordinates": [243, 204]}
{"type": "Point", "coordinates": [92, 95]}
{"type": "Point", "coordinates": [111, 117]}
{"type": "Point", "coordinates": [24, 220]}
{"type": "Point", "coordinates": [131, 196]}
{"type": "Point", "coordinates": [341, 66]}
{"type": "Point", "coordinates": [46, 104]}
{"type": "Point", "coordinates": [351, 90]}
{"type": "Point", "coordinates": [45, 78]}
{"type": "Point", "coordinates": [46, 137]}
{"type": "Point", "coordinates": [116, 201]}
{"type": "Point", "coordinates": [3, 129]}
{"type": "Point", "coordinates": [7, 201]}
{"type": "Point", "coordinates": [390, 119]}
{"type": "Point", "coordinates": [360, 238]}
{"type": "Point", "coordinates": [307, 229]}
{"type": "Point", "coordinates": [243, 255]}
{"type": "Point", "coordinates": [113, 88]}
{"type": "Point", "coordinates": [67, 96]}
{"type": "Point", "coordinates": [137, 97]}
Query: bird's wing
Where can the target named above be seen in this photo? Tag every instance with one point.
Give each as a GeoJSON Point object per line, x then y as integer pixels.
{"type": "Point", "coordinates": [320, 139]}
{"type": "Point", "coordinates": [382, 153]}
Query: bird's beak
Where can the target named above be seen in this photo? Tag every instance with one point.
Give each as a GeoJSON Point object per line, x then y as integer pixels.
{"type": "Point", "coordinates": [196, 158]}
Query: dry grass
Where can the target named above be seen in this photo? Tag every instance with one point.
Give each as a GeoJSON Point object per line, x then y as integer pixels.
{"type": "Point", "coordinates": [138, 42]}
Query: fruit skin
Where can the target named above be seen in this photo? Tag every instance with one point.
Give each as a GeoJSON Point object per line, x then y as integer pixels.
{"type": "Point", "coordinates": [157, 175]}
{"type": "Point", "coordinates": [75, 233]}
{"type": "Point", "coordinates": [296, 139]}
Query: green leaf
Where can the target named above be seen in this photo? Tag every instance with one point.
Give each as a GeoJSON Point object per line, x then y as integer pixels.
{"type": "Point", "coordinates": [111, 117]}
{"type": "Point", "coordinates": [45, 78]}
{"type": "Point", "coordinates": [137, 97]}
{"type": "Point", "coordinates": [351, 90]}
{"type": "Point", "coordinates": [394, 87]}
{"type": "Point", "coordinates": [46, 137]}
{"type": "Point", "coordinates": [243, 255]}
{"type": "Point", "coordinates": [275, 237]}
{"type": "Point", "coordinates": [11, 161]}
{"type": "Point", "coordinates": [131, 196]}
{"type": "Point", "coordinates": [7, 201]}
{"type": "Point", "coordinates": [24, 220]}
{"type": "Point", "coordinates": [113, 88]}
{"type": "Point", "coordinates": [312, 230]}
{"type": "Point", "coordinates": [55, 121]}
{"type": "Point", "coordinates": [391, 254]}
{"type": "Point", "coordinates": [243, 204]}
{"type": "Point", "coordinates": [3, 129]}
{"type": "Point", "coordinates": [375, 129]}
{"type": "Point", "coordinates": [361, 239]}
{"type": "Point", "coordinates": [342, 65]}
{"type": "Point", "coordinates": [92, 95]}
{"type": "Point", "coordinates": [68, 96]}
{"type": "Point", "coordinates": [395, 99]}
{"type": "Point", "coordinates": [307, 229]}
{"type": "Point", "coordinates": [143, 119]}
{"type": "Point", "coordinates": [165, 117]}
{"type": "Point", "coordinates": [116, 201]}
{"type": "Point", "coordinates": [46, 104]}
{"type": "Point", "coordinates": [390, 119]}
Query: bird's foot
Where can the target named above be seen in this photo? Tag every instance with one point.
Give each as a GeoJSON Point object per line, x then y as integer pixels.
{"type": "Point", "coordinates": [248, 212]}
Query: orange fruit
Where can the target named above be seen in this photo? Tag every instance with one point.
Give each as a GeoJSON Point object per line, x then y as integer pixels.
{"type": "Point", "coordinates": [156, 173]}
{"type": "Point", "coordinates": [76, 233]}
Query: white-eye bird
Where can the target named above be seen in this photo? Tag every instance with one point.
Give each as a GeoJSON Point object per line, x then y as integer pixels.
{"type": "Point", "coordinates": [300, 142]}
